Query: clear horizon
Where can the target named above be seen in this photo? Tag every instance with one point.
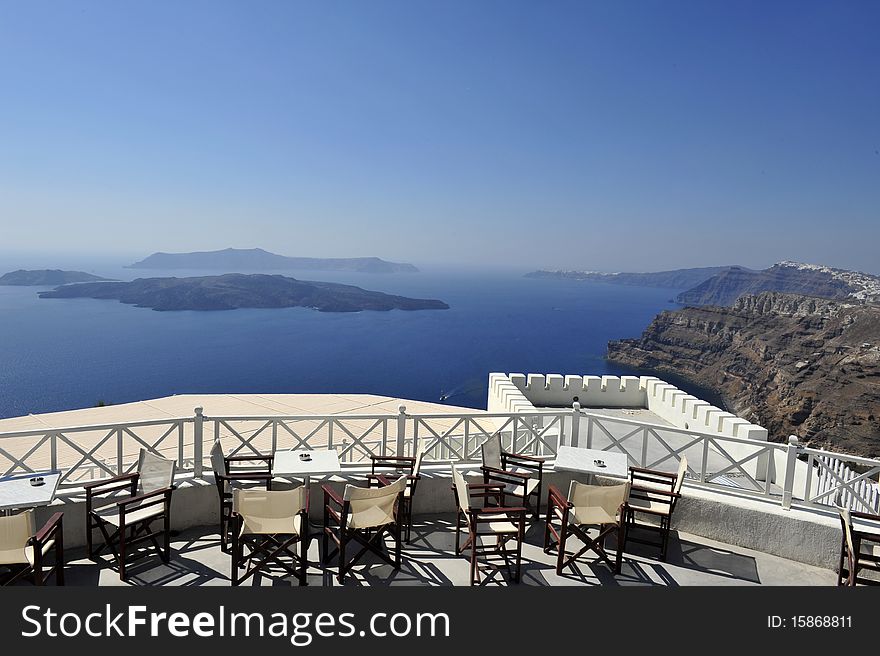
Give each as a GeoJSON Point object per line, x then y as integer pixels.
{"type": "Point", "coordinates": [504, 134]}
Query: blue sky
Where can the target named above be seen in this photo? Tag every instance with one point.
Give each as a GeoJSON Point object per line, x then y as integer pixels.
{"type": "Point", "coordinates": [613, 136]}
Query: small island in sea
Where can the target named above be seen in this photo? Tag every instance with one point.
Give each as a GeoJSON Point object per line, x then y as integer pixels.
{"type": "Point", "coordinates": [46, 278]}
{"type": "Point", "coordinates": [236, 290]}
{"type": "Point", "coordinates": [256, 259]}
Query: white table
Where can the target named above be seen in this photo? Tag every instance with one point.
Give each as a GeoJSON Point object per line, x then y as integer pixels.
{"type": "Point", "coordinates": [17, 491]}
{"type": "Point", "coordinates": [323, 462]}
{"type": "Point", "coordinates": [584, 461]}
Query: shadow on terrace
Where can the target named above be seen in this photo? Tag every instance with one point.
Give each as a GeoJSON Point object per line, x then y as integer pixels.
{"type": "Point", "coordinates": [430, 560]}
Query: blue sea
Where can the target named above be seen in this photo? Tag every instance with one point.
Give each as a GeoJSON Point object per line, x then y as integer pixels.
{"type": "Point", "coordinates": [59, 354]}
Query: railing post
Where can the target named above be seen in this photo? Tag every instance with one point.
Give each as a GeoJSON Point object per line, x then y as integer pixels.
{"type": "Point", "coordinates": [401, 430]}
{"type": "Point", "coordinates": [575, 424]}
{"type": "Point", "coordinates": [790, 464]}
{"type": "Point", "coordinates": [198, 437]}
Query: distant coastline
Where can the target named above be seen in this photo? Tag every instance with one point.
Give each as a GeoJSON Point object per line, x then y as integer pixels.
{"type": "Point", "coordinates": [232, 260]}
{"type": "Point", "coordinates": [46, 278]}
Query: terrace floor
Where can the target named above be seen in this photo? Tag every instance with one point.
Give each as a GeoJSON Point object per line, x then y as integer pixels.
{"type": "Point", "coordinates": [430, 560]}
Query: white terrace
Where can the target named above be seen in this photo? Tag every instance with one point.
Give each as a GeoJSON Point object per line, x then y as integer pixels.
{"type": "Point", "coordinates": [743, 496]}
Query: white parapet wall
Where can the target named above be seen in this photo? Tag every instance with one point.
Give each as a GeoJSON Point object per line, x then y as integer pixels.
{"type": "Point", "coordinates": [526, 392]}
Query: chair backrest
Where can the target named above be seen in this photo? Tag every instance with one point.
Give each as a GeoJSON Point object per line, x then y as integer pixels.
{"type": "Point", "coordinates": [218, 460]}
{"type": "Point", "coordinates": [155, 472]}
{"type": "Point", "coordinates": [256, 505]}
{"type": "Point", "coordinates": [15, 531]}
{"type": "Point", "coordinates": [461, 490]}
{"type": "Point", "coordinates": [607, 497]}
{"type": "Point", "coordinates": [372, 507]}
{"type": "Point", "coordinates": [679, 478]}
{"type": "Point", "coordinates": [492, 452]}
{"type": "Point", "coordinates": [418, 464]}
{"type": "Point", "coordinates": [846, 523]}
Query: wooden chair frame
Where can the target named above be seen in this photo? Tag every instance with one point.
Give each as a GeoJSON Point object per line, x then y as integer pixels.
{"type": "Point", "coordinates": [507, 476]}
{"type": "Point", "coordinates": [119, 541]}
{"type": "Point", "coordinates": [486, 514]}
{"type": "Point", "coordinates": [559, 507]}
{"type": "Point", "coordinates": [646, 485]}
{"type": "Point", "coordinates": [392, 465]}
{"type": "Point", "coordinates": [267, 549]}
{"type": "Point", "coordinates": [854, 561]}
{"type": "Point", "coordinates": [229, 478]}
{"type": "Point", "coordinates": [37, 573]}
{"type": "Point", "coordinates": [337, 511]}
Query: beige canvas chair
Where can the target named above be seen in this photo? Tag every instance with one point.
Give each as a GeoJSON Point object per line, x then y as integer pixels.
{"type": "Point", "coordinates": [600, 507]}
{"type": "Point", "coordinates": [23, 549]}
{"type": "Point", "coordinates": [364, 515]}
{"type": "Point", "coordinates": [128, 521]}
{"type": "Point", "coordinates": [487, 521]}
{"type": "Point", "coordinates": [385, 468]}
{"type": "Point", "coordinates": [654, 493]}
{"type": "Point", "coordinates": [226, 479]}
{"type": "Point", "coordinates": [521, 475]}
{"type": "Point", "coordinates": [267, 525]}
{"type": "Point", "coordinates": [856, 557]}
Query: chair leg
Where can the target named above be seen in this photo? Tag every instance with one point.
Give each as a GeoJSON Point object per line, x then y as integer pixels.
{"type": "Point", "coordinates": [89, 545]}
{"type": "Point", "coordinates": [621, 537]}
{"type": "Point", "coordinates": [664, 527]}
{"type": "Point", "coordinates": [560, 554]}
{"type": "Point", "coordinates": [397, 544]}
{"type": "Point", "coordinates": [458, 533]}
{"type": "Point", "coordinates": [519, 541]}
{"type": "Point", "coordinates": [235, 558]}
{"type": "Point", "coordinates": [342, 543]}
{"type": "Point", "coordinates": [473, 536]}
{"type": "Point", "coordinates": [59, 557]}
{"type": "Point", "coordinates": [123, 531]}
{"type": "Point", "coordinates": [304, 560]}
{"type": "Point", "coordinates": [166, 552]}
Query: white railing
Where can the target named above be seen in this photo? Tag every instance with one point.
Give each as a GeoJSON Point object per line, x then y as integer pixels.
{"type": "Point", "coordinates": [713, 460]}
{"type": "Point", "coordinates": [782, 473]}
{"type": "Point", "coordinates": [85, 453]}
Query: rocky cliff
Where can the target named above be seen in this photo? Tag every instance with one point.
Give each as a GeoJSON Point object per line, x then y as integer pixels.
{"type": "Point", "coordinates": [795, 364]}
{"type": "Point", "coordinates": [787, 277]}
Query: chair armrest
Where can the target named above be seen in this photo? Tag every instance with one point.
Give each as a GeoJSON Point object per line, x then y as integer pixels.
{"type": "Point", "coordinates": [490, 471]}
{"type": "Point", "coordinates": [393, 459]}
{"type": "Point", "coordinates": [490, 512]}
{"type": "Point", "coordinates": [485, 486]}
{"type": "Point", "coordinates": [648, 490]}
{"type": "Point", "coordinates": [556, 497]}
{"type": "Point", "coordinates": [88, 487]}
{"type": "Point", "coordinates": [522, 456]}
{"type": "Point", "coordinates": [330, 493]}
{"type": "Point", "coordinates": [49, 529]}
{"type": "Point", "coordinates": [384, 481]}
{"type": "Point", "coordinates": [249, 458]}
{"type": "Point", "coordinates": [144, 497]}
{"type": "Point", "coordinates": [653, 472]}
{"type": "Point", "coordinates": [243, 476]}
{"type": "Point", "coordinates": [864, 515]}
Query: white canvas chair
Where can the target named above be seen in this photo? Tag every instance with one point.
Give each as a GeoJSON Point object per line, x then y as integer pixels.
{"type": "Point", "coordinates": [522, 475]}
{"type": "Point", "coordinates": [600, 507]}
{"type": "Point", "coordinates": [855, 557]}
{"type": "Point", "coordinates": [128, 521]}
{"type": "Point", "coordinates": [226, 478]}
{"type": "Point", "coordinates": [365, 515]}
{"type": "Point", "coordinates": [23, 549]}
{"type": "Point", "coordinates": [485, 521]}
{"type": "Point", "coordinates": [653, 493]}
{"type": "Point", "coordinates": [266, 527]}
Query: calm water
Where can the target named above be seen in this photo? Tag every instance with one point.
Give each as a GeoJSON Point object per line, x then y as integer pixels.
{"type": "Point", "coordinates": [58, 354]}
